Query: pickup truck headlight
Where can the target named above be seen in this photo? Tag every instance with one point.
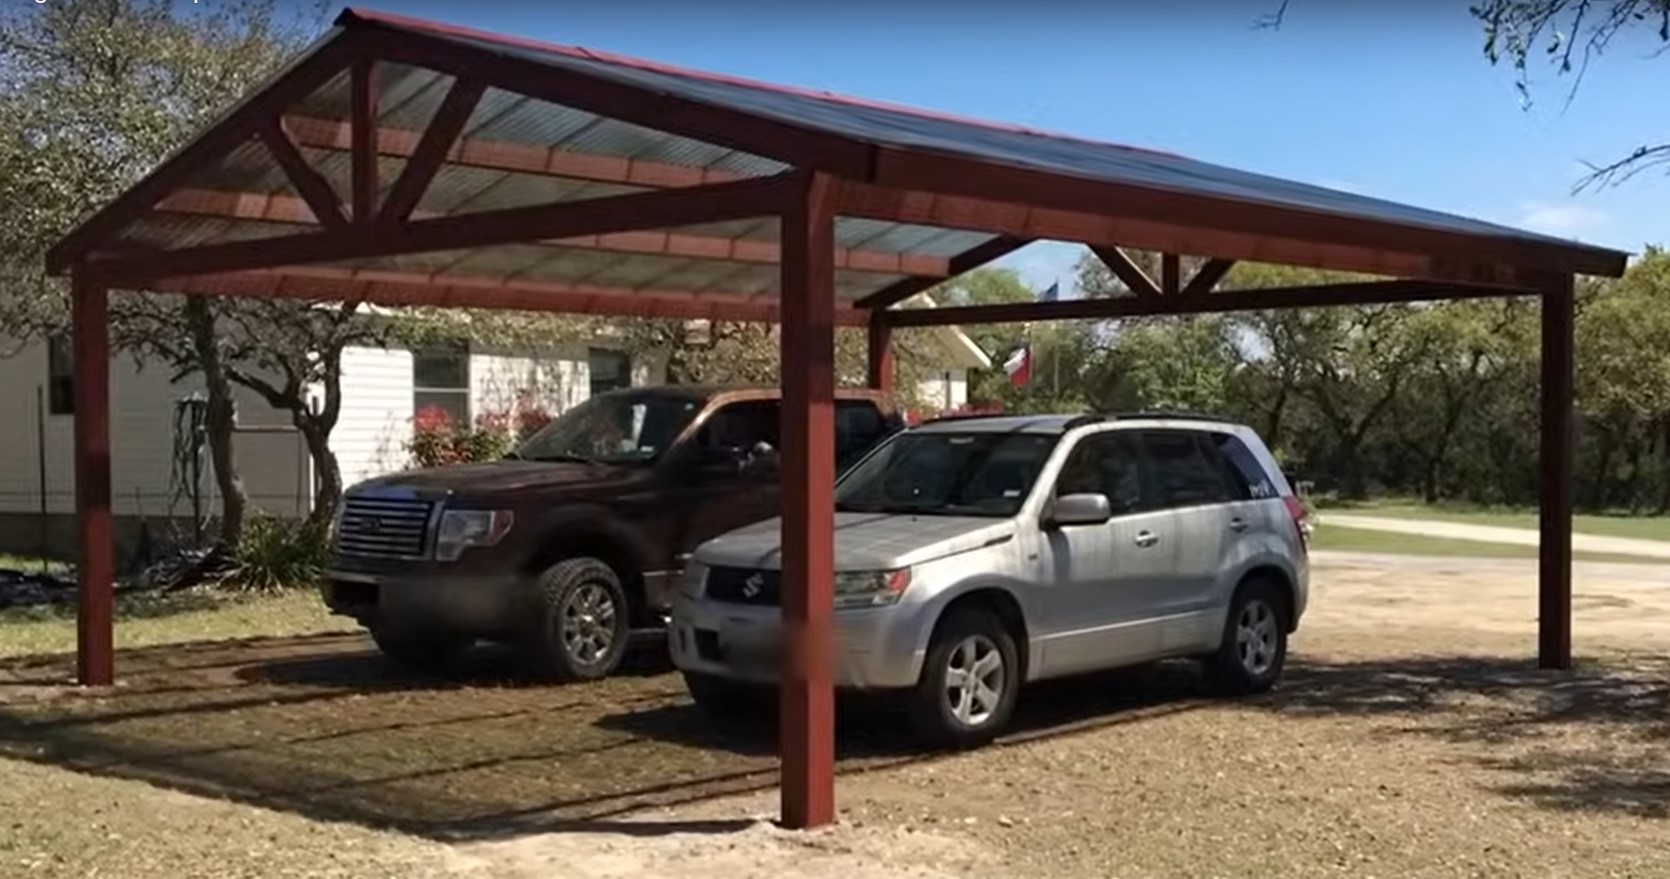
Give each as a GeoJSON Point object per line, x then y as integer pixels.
{"type": "Point", "coordinates": [857, 589]}
{"type": "Point", "coordinates": [462, 529]}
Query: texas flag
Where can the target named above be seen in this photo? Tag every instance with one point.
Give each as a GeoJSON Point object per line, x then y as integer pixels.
{"type": "Point", "coordinates": [1019, 366]}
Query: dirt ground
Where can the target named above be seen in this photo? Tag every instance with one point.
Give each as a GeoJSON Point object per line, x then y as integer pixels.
{"type": "Point", "coordinates": [1412, 738]}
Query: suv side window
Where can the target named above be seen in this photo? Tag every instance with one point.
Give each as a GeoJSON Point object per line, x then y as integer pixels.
{"type": "Point", "coordinates": [1183, 474]}
{"type": "Point", "coordinates": [1246, 475]}
{"type": "Point", "coordinates": [1107, 464]}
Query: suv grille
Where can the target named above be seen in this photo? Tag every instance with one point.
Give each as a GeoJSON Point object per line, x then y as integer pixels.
{"type": "Point", "coordinates": [743, 586]}
{"type": "Point", "coordinates": [384, 527]}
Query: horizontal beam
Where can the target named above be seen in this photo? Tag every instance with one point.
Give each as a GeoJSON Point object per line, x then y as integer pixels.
{"type": "Point", "coordinates": [1319, 296]}
{"type": "Point", "coordinates": [293, 211]}
{"type": "Point", "coordinates": [1211, 218]}
{"type": "Point", "coordinates": [964, 262]}
{"type": "Point", "coordinates": [516, 158]}
{"type": "Point", "coordinates": [1019, 220]}
{"type": "Point", "coordinates": [404, 289]}
{"type": "Point", "coordinates": [598, 216]}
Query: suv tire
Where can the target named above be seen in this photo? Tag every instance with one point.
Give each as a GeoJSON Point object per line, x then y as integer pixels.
{"type": "Point", "coordinates": [417, 650]}
{"type": "Point", "coordinates": [969, 681]}
{"type": "Point", "coordinates": [582, 621]}
{"type": "Point", "coordinates": [1253, 650]}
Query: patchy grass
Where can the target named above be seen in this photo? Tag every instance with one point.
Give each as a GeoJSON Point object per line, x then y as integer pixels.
{"type": "Point", "coordinates": [31, 564]}
{"type": "Point", "coordinates": [1637, 527]}
{"type": "Point", "coordinates": [149, 619]}
{"type": "Point", "coordinates": [1339, 539]}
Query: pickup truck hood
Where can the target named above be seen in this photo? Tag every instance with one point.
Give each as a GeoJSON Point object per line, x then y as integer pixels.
{"type": "Point", "coordinates": [863, 541]}
{"type": "Point", "coordinates": [501, 477]}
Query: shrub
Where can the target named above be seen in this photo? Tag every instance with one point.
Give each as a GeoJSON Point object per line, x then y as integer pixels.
{"type": "Point", "coordinates": [432, 443]}
{"type": "Point", "coordinates": [436, 441]}
{"type": "Point", "coordinates": [278, 554]}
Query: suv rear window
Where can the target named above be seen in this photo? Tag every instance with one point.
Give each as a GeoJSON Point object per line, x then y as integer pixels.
{"type": "Point", "coordinates": [1246, 474]}
{"type": "Point", "coordinates": [1183, 473]}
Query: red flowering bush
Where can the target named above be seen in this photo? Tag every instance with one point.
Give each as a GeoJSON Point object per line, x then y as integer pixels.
{"type": "Point", "coordinates": [437, 441]}
{"type": "Point", "coordinates": [432, 443]}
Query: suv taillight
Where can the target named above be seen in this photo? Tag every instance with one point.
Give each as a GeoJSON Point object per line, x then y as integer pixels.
{"type": "Point", "coordinates": [1296, 509]}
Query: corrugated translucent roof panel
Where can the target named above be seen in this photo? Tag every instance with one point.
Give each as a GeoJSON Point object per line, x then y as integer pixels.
{"type": "Point", "coordinates": [892, 126]}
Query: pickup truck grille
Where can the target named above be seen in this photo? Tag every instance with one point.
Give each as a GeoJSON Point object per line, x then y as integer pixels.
{"type": "Point", "coordinates": [743, 586]}
{"type": "Point", "coordinates": [383, 527]}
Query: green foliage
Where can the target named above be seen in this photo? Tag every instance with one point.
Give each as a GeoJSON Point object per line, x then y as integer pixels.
{"type": "Point", "coordinates": [276, 554]}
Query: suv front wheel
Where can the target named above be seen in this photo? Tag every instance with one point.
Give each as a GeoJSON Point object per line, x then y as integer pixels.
{"type": "Point", "coordinates": [969, 682]}
{"type": "Point", "coordinates": [582, 623]}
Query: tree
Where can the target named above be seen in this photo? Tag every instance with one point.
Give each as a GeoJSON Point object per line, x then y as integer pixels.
{"type": "Point", "coordinates": [96, 93]}
{"type": "Point", "coordinates": [1570, 34]}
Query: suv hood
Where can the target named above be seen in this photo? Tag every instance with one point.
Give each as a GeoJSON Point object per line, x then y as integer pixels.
{"type": "Point", "coordinates": [498, 477]}
{"type": "Point", "coordinates": [863, 541]}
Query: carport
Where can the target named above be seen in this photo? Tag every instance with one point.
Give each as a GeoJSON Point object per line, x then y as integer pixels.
{"type": "Point", "coordinates": [401, 162]}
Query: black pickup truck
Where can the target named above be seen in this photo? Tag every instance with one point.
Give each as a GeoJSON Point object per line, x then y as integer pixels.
{"type": "Point", "coordinates": [575, 540]}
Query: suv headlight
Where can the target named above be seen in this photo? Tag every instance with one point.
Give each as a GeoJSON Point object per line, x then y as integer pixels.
{"type": "Point", "coordinates": [462, 529]}
{"type": "Point", "coordinates": [857, 589]}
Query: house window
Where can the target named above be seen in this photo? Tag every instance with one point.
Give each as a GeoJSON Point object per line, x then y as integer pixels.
{"type": "Point", "coordinates": [441, 380]}
{"type": "Point", "coordinates": [610, 370]}
{"type": "Point", "coordinates": [60, 376]}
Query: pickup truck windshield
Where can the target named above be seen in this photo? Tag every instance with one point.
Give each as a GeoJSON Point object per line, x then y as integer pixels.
{"type": "Point", "coordinates": [947, 474]}
{"type": "Point", "coordinates": [616, 428]}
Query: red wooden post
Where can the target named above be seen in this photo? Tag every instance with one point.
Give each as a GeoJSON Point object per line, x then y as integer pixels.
{"type": "Point", "coordinates": [807, 362]}
{"type": "Point", "coordinates": [363, 134]}
{"type": "Point", "coordinates": [1554, 553]}
{"type": "Point", "coordinates": [95, 662]}
{"type": "Point", "coordinates": [879, 362]}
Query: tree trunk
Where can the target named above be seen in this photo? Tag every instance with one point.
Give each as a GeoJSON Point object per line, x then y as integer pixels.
{"type": "Point", "coordinates": [327, 474]}
{"type": "Point", "coordinates": [219, 421]}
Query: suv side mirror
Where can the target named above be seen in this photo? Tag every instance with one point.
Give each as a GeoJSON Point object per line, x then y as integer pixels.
{"type": "Point", "coordinates": [1080, 509]}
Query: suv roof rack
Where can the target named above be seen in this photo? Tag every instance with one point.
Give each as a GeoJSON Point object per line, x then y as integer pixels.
{"type": "Point", "coordinates": [1180, 414]}
{"type": "Point", "coordinates": [1082, 420]}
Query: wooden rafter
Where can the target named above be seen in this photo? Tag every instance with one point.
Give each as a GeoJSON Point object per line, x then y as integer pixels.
{"type": "Point", "coordinates": [966, 261]}
{"type": "Point", "coordinates": [426, 159]}
{"type": "Point", "coordinates": [1129, 273]}
{"type": "Point", "coordinates": [362, 114]}
{"type": "Point", "coordinates": [1171, 274]}
{"type": "Point", "coordinates": [1207, 277]}
{"type": "Point", "coordinates": [310, 184]}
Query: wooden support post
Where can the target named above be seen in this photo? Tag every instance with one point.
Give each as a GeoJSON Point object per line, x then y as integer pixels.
{"type": "Point", "coordinates": [807, 363]}
{"type": "Point", "coordinates": [879, 362]}
{"type": "Point", "coordinates": [1554, 551]}
{"type": "Point", "coordinates": [363, 136]}
{"type": "Point", "coordinates": [1171, 274]}
{"type": "Point", "coordinates": [95, 569]}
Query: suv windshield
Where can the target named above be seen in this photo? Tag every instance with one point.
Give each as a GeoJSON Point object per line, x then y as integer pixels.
{"type": "Point", "coordinates": [617, 428]}
{"type": "Point", "coordinates": [947, 474]}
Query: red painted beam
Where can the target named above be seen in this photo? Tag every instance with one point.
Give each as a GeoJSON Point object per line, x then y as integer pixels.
{"type": "Point", "coordinates": [1554, 519]}
{"type": "Point", "coordinates": [519, 158]}
{"type": "Point", "coordinates": [314, 189]}
{"type": "Point", "coordinates": [1095, 228]}
{"type": "Point", "coordinates": [807, 723]}
{"type": "Point", "coordinates": [431, 150]}
{"type": "Point", "coordinates": [1208, 276]}
{"type": "Point", "coordinates": [1319, 296]}
{"type": "Point", "coordinates": [878, 361]}
{"type": "Point", "coordinates": [400, 289]}
{"type": "Point", "coordinates": [599, 216]}
{"type": "Point", "coordinates": [1209, 215]}
{"type": "Point", "coordinates": [966, 261]}
{"type": "Point", "coordinates": [288, 210]}
{"type": "Point", "coordinates": [95, 569]}
{"type": "Point", "coordinates": [1171, 274]}
{"type": "Point", "coordinates": [1128, 272]}
{"type": "Point", "coordinates": [312, 71]}
{"type": "Point", "coordinates": [362, 114]}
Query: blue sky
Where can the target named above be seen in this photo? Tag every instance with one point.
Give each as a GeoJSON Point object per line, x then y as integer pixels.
{"type": "Point", "coordinates": [1389, 99]}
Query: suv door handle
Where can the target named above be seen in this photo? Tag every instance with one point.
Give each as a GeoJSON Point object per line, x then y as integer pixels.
{"type": "Point", "coordinates": [1237, 524]}
{"type": "Point", "coordinates": [1147, 538]}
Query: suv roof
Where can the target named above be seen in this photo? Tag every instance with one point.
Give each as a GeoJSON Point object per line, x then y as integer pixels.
{"type": "Point", "coordinates": [740, 392]}
{"type": "Point", "coordinates": [1058, 424]}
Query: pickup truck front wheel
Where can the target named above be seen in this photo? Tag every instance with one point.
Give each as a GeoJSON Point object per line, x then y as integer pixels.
{"type": "Point", "coordinates": [581, 628]}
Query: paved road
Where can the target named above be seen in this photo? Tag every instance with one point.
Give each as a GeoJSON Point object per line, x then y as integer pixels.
{"type": "Point", "coordinates": [1495, 534]}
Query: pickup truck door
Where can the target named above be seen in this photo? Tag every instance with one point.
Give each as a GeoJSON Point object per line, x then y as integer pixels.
{"type": "Point", "coordinates": [721, 484]}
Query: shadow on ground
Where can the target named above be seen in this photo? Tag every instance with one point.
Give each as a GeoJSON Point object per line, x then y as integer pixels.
{"type": "Point", "coordinates": [322, 727]}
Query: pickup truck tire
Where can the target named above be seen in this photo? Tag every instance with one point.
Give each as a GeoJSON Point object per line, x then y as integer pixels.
{"type": "Point", "coordinates": [1253, 648]}
{"type": "Point", "coordinates": [418, 650]}
{"type": "Point", "coordinates": [582, 621]}
{"type": "Point", "coordinates": [970, 680]}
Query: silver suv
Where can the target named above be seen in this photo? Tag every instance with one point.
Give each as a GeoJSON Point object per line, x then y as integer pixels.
{"type": "Point", "coordinates": [975, 554]}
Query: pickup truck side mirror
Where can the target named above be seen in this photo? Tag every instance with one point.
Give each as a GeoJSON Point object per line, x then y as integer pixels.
{"type": "Point", "coordinates": [1080, 509]}
{"type": "Point", "coordinates": [760, 460]}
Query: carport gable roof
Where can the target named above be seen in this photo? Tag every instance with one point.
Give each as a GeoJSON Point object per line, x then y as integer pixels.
{"type": "Point", "coordinates": [925, 195]}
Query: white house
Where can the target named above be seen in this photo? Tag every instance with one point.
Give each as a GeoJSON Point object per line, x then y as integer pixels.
{"type": "Point", "coordinates": [151, 474]}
